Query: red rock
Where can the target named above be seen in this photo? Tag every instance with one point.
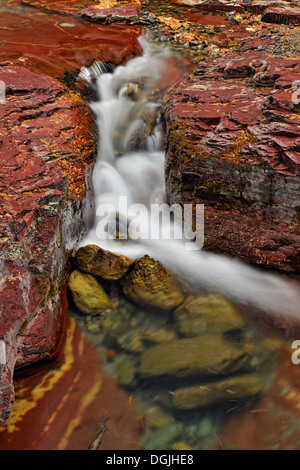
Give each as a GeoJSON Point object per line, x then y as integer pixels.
{"type": "Point", "coordinates": [36, 209]}
{"type": "Point", "coordinates": [281, 16]}
{"type": "Point", "coordinates": [254, 6]}
{"type": "Point", "coordinates": [42, 211]}
{"type": "Point", "coordinates": [90, 10]}
{"type": "Point", "coordinates": [244, 165]}
{"type": "Point", "coordinates": [56, 50]}
{"type": "Point", "coordinates": [122, 13]}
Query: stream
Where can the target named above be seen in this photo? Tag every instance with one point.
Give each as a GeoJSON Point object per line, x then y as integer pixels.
{"type": "Point", "coordinates": [128, 182]}
{"type": "Point", "coordinates": [159, 378]}
{"type": "Point", "coordinates": [124, 178]}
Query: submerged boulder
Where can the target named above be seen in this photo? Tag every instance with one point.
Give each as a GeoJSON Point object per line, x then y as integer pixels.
{"type": "Point", "coordinates": [99, 262]}
{"type": "Point", "coordinates": [208, 354]}
{"type": "Point", "coordinates": [207, 313]}
{"type": "Point", "coordinates": [88, 295]}
{"type": "Point", "coordinates": [232, 389]}
{"type": "Point", "coordinates": [148, 282]}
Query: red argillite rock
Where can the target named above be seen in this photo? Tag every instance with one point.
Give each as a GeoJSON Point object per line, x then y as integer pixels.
{"type": "Point", "coordinates": [233, 144]}
{"type": "Point", "coordinates": [60, 44]}
{"type": "Point", "coordinates": [254, 6]}
{"type": "Point", "coordinates": [48, 145]}
{"type": "Point", "coordinates": [122, 13]}
{"type": "Point", "coordinates": [281, 16]}
{"type": "Point", "coordinates": [94, 11]}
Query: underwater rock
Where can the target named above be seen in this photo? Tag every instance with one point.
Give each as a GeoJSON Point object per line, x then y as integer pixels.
{"type": "Point", "coordinates": [89, 297]}
{"type": "Point", "coordinates": [99, 262]}
{"type": "Point", "coordinates": [158, 335]}
{"type": "Point", "coordinates": [180, 445]}
{"type": "Point", "coordinates": [207, 354]}
{"type": "Point", "coordinates": [211, 313]}
{"type": "Point", "coordinates": [148, 282]}
{"type": "Point", "coordinates": [157, 417]}
{"type": "Point", "coordinates": [123, 370]}
{"type": "Point", "coordinates": [162, 438]}
{"type": "Point", "coordinates": [228, 390]}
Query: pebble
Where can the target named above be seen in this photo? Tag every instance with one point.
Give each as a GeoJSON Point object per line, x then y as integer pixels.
{"type": "Point", "coordinates": [151, 20]}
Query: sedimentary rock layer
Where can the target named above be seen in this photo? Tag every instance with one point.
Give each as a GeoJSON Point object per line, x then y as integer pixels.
{"type": "Point", "coordinates": [48, 144]}
{"type": "Point", "coordinates": [232, 132]}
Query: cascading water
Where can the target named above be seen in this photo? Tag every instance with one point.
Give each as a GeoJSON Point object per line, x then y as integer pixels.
{"type": "Point", "coordinates": [131, 164]}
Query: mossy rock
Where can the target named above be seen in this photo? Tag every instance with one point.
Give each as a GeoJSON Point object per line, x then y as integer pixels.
{"type": "Point", "coordinates": [149, 283]}
{"type": "Point", "coordinates": [207, 313]}
{"type": "Point", "coordinates": [99, 262]}
{"type": "Point", "coordinates": [88, 295]}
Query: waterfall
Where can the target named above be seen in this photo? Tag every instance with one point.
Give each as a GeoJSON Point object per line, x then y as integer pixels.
{"type": "Point", "coordinates": [125, 111]}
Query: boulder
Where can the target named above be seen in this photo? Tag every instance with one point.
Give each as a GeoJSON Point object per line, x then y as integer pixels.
{"type": "Point", "coordinates": [88, 295]}
{"type": "Point", "coordinates": [207, 354]}
{"type": "Point", "coordinates": [281, 16]}
{"type": "Point", "coordinates": [256, 7]}
{"type": "Point", "coordinates": [211, 313]}
{"type": "Point", "coordinates": [99, 262]}
{"type": "Point", "coordinates": [149, 283]}
{"type": "Point", "coordinates": [228, 390]}
{"type": "Point", "coordinates": [234, 147]}
{"type": "Point", "coordinates": [119, 13]}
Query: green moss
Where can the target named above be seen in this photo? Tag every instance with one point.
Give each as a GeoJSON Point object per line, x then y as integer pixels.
{"type": "Point", "coordinates": [187, 149]}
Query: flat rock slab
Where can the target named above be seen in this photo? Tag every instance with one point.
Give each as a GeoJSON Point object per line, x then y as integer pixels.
{"type": "Point", "coordinates": [123, 13]}
{"type": "Point", "coordinates": [100, 11]}
{"type": "Point", "coordinates": [232, 129]}
{"type": "Point", "coordinates": [254, 6]}
{"type": "Point", "coordinates": [60, 44]}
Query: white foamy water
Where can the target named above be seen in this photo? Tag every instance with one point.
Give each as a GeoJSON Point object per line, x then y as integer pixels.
{"type": "Point", "coordinates": [139, 175]}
